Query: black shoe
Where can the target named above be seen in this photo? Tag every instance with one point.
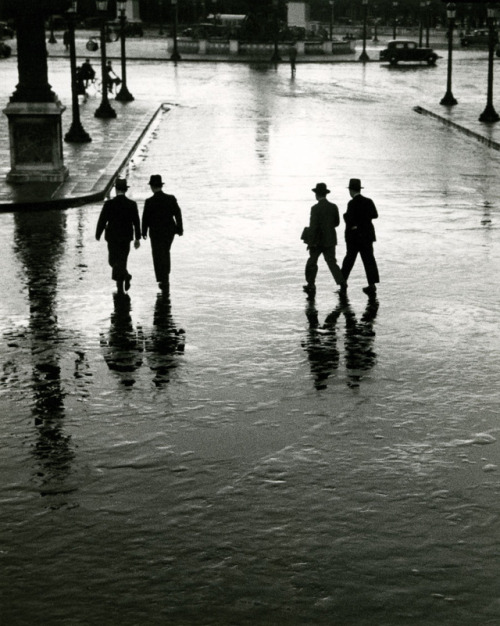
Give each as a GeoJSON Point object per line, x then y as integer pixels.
{"type": "Point", "coordinates": [371, 290]}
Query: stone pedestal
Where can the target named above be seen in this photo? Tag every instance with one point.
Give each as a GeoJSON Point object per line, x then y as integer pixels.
{"type": "Point", "coordinates": [36, 153]}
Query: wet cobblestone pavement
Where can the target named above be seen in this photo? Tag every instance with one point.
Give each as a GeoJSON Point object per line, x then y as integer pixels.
{"type": "Point", "coordinates": [238, 454]}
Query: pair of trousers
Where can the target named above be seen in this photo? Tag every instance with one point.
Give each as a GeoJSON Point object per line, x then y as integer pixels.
{"type": "Point", "coordinates": [365, 250]}
{"type": "Point", "coordinates": [331, 261]}
{"type": "Point", "coordinates": [160, 249]}
{"type": "Point", "coordinates": [118, 252]}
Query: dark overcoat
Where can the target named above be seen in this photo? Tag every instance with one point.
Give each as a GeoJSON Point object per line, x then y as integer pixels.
{"type": "Point", "coordinates": [322, 223]}
{"type": "Point", "coordinates": [119, 219]}
{"type": "Point", "coordinates": [162, 217]}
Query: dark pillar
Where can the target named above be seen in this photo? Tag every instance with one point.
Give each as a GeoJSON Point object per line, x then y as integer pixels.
{"type": "Point", "coordinates": [34, 111]}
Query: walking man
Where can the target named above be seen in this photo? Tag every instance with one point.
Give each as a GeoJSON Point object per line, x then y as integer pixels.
{"type": "Point", "coordinates": [162, 217]}
{"type": "Point", "coordinates": [360, 235]}
{"type": "Point", "coordinates": [119, 219]}
{"type": "Point", "coordinates": [322, 239]}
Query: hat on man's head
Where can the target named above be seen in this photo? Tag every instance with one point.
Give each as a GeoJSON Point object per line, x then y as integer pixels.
{"type": "Point", "coordinates": [355, 184]}
{"type": "Point", "coordinates": [321, 189]}
{"type": "Point", "coordinates": [121, 184]}
{"type": "Point", "coordinates": [155, 180]}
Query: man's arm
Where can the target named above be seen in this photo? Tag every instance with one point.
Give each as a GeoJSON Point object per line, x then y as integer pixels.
{"type": "Point", "coordinates": [102, 221]}
{"type": "Point", "coordinates": [178, 217]}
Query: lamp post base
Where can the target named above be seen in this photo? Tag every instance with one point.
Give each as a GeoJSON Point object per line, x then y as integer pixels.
{"type": "Point", "coordinates": [105, 111]}
{"type": "Point", "coordinates": [175, 56]}
{"type": "Point", "coordinates": [124, 95]}
{"type": "Point", "coordinates": [364, 57]}
{"type": "Point", "coordinates": [448, 100]}
{"type": "Point", "coordinates": [489, 115]}
{"type": "Point", "coordinates": [77, 134]}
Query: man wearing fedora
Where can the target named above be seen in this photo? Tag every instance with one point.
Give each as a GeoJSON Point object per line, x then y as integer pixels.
{"type": "Point", "coordinates": [119, 219]}
{"type": "Point", "coordinates": [360, 235]}
{"type": "Point", "coordinates": [322, 239]}
{"type": "Point", "coordinates": [162, 218]}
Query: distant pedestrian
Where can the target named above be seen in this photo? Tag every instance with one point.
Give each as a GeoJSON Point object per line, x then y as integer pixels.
{"type": "Point", "coordinates": [292, 55]}
{"type": "Point", "coordinates": [87, 72]}
{"type": "Point", "coordinates": [162, 218]}
{"type": "Point", "coordinates": [119, 219]}
{"type": "Point", "coordinates": [360, 235]}
{"type": "Point", "coordinates": [322, 239]}
{"type": "Point", "coordinates": [111, 78]}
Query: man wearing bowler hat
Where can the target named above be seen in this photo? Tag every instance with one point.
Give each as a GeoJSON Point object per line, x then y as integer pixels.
{"type": "Point", "coordinates": [322, 239]}
{"type": "Point", "coordinates": [119, 219]}
{"type": "Point", "coordinates": [162, 218]}
{"type": "Point", "coordinates": [360, 235]}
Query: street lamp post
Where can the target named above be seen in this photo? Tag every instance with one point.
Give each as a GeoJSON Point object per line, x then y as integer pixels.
{"type": "Point", "coordinates": [421, 23]}
{"type": "Point", "coordinates": [449, 99]}
{"type": "Point", "coordinates": [175, 56]}
{"type": "Point", "coordinates": [427, 22]}
{"type": "Point", "coordinates": [76, 133]}
{"type": "Point", "coordinates": [124, 94]}
{"type": "Point", "coordinates": [395, 19]}
{"type": "Point", "coordinates": [489, 114]}
{"type": "Point", "coordinates": [105, 110]}
{"type": "Point", "coordinates": [214, 11]}
{"type": "Point", "coordinates": [332, 8]}
{"type": "Point", "coordinates": [52, 37]}
{"type": "Point", "coordinates": [276, 54]}
{"type": "Point", "coordinates": [364, 56]}
{"type": "Point", "coordinates": [160, 15]}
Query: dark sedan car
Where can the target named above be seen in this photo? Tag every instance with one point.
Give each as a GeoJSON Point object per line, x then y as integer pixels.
{"type": "Point", "coordinates": [477, 38]}
{"type": "Point", "coordinates": [403, 50]}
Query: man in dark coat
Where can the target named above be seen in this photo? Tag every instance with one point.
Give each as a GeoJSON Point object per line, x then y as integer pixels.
{"type": "Point", "coordinates": [162, 218]}
{"type": "Point", "coordinates": [119, 219]}
{"type": "Point", "coordinates": [322, 239]}
{"type": "Point", "coordinates": [360, 235]}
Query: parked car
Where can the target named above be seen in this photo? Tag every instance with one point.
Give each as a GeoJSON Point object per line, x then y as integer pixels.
{"type": "Point", "coordinates": [477, 38]}
{"type": "Point", "coordinates": [5, 50]}
{"type": "Point", "coordinates": [407, 51]}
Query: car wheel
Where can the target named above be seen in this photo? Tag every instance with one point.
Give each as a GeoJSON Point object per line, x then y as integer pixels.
{"type": "Point", "coordinates": [393, 61]}
{"type": "Point", "coordinates": [432, 59]}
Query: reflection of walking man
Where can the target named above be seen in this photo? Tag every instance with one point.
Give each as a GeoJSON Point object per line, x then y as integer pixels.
{"type": "Point", "coordinates": [119, 219]}
{"type": "Point", "coordinates": [163, 219]}
{"type": "Point", "coordinates": [360, 235]}
{"type": "Point", "coordinates": [322, 239]}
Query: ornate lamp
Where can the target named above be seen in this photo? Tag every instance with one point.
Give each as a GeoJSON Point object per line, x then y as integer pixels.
{"type": "Point", "coordinates": [124, 94]}
{"type": "Point", "coordinates": [448, 98]}
{"type": "Point", "coordinates": [76, 133]}
{"type": "Point", "coordinates": [105, 110]}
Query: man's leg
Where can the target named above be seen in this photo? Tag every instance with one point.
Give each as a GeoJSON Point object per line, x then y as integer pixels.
{"type": "Point", "coordinates": [311, 270]}
{"type": "Point", "coordinates": [370, 264]}
{"type": "Point", "coordinates": [331, 261]}
{"type": "Point", "coordinates": [349, 260]}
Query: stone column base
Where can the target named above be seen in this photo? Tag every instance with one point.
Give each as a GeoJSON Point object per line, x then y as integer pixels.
{"type": "Point", "coordinates": [36, 153]}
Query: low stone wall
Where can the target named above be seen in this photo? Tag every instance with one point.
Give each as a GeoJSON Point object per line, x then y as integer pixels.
{"type": "Point", "coordinates": [234, 47]}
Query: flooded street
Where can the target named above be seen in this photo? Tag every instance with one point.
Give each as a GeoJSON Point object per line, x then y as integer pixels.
{"type": "Point", "coordinates": [238, 454]}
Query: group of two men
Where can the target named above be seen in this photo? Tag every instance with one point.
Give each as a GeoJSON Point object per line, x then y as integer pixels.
{"type": "Point", "coordinates": [321, 238]}
{"type": "Point", "coordinates": [119, 220]}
